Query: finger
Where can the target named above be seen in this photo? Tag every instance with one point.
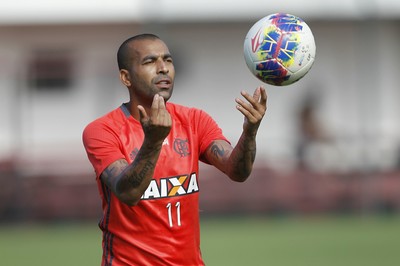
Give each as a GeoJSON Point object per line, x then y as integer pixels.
{"type": "Point", "coordinates": [258, 100]}
{"type": "Point", "coordinates": [256, 94]}
{"type": "Point", "coordinates": [161, 102]}
{"type": "Point", "coordinates": [244, 105]}
{"type": "Point", "coordinates": [252, 106]}
{"type": "Point", "coordinates": [264, 96]}
{"type": "Point", "coordinates": [247, 114]}
{"type": "Point", "coordinates": [155, 106]}
{"type": "Point", "coordinates": [143, 115]}
{"type": "Point", "coordinates": [163, 114]}
{"type": "Point", "coordinates": [252, 114]}
{"type": "Point", "coordinates": [252, 99]}
{"type": "Point", "coordinates": [243, 110]}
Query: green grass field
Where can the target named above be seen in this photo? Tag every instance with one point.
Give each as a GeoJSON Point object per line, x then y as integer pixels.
{"type": "Point", "coordinates": [227, 241]}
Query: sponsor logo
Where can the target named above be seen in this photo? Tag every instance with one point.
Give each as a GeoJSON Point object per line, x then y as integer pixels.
{"type": "Point", "coordinates": [171, 187]}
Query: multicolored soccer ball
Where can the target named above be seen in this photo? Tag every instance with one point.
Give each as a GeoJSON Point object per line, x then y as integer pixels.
{"type": "Point", "coordinates": [279, 49]}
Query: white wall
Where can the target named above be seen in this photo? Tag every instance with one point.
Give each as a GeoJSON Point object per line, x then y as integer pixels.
{"type": "Point", "coordinates": [354, 77]}
{"type": "Point", "coordinates": [138, 11]}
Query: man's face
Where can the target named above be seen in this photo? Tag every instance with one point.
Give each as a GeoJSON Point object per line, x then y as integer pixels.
{"type": "Point", "coordinates": [152, 71]}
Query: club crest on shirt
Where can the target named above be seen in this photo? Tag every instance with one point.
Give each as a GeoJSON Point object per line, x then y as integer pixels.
{"type": "Point", "coordinates": [181, 146]}
{"type": "Point", "coordinates": [171, 187]}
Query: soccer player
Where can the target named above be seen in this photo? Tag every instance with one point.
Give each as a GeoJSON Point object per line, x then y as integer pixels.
{"type": "Point", "coordinates": [146, 156]}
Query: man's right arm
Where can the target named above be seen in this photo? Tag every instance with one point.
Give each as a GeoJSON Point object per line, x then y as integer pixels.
{"type": "Point", "coordinates": [129, 181]}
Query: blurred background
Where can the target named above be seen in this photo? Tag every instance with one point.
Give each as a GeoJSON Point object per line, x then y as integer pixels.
{"type": "Point", "coordinates": [328, 146]}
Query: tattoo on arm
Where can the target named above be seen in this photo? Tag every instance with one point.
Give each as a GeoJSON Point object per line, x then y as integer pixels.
{"type": "Point", "coordinates": [128, 181]}
{"type": "Point", "coordinates": [217, 151]}
{"type": "Point", "coordinates": [248, 150]}
{"type": "Point", "coordinates": [136, 177]}
{"type": "Point", "coordinates": [238, 162]}
{"type": "Point", "coordinates": [133, 175]}
{"type": "Point", "coordinates": [114, 169]}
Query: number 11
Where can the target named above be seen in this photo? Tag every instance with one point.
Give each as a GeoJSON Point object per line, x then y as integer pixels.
{"type": "Point", "coordinates": [178, 213]}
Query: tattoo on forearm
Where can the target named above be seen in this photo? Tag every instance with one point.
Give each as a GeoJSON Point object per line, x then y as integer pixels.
{"type": "Point", "coordinates": [136, 177]}
{"type": "Point", "coordinates": [113, 170]}
{"type": "Point", "coordinates": [245, 158]}
{"type": "Point", "coordinates": [249, 150]}
{"type": "Point", "coordinates": [108, 172]}
{"type": "Point", "coordinates": [217, 151]}
{"type": "Point", "coordinates": [252, 152]}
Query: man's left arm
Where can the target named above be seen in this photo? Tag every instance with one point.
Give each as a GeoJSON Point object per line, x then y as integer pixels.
{"type": "Point", "coordinates": [237, 162]}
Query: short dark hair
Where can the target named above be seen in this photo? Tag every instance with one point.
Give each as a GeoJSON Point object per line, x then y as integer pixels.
{"type": "Point", "coordinates": [123, 55]}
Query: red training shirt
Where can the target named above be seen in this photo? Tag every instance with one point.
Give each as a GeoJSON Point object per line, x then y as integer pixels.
{"type": "Point", "coordinates": [163, 228]}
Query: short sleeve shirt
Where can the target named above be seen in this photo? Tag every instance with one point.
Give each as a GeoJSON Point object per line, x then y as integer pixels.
{"type": "Point", "coordinates": [163, 228]}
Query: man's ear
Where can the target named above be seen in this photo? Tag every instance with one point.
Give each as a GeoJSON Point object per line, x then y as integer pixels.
{"type": "Point", "coordinates": [125, 77]}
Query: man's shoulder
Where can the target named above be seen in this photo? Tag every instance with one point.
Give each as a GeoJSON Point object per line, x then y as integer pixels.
{"type": "Point", "coordinates": [183, 111]}
{"type": "Point", "coordinates": [111, 119]}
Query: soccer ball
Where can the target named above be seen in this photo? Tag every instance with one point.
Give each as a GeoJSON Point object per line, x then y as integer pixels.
{"type": "Point", "coordinates": [279, 49]}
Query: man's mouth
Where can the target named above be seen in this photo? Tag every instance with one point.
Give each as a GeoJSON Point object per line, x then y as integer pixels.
{"type": "Point", "coordinates": [163, 82]}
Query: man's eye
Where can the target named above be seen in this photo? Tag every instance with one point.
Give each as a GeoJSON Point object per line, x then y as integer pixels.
{"type": "Point", "coordinates": [148, 61]}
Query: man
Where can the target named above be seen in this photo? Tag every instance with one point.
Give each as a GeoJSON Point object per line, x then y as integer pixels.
{"type": "Point", "coordinates": [146, 157]}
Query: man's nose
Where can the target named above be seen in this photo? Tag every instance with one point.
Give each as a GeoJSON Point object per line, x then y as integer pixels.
{"type": "Point", "coordinates": [162, 67]}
